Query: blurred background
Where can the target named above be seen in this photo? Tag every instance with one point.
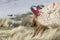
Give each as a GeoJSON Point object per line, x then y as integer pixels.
{"type": "Point", "coordinates": [13, 7]}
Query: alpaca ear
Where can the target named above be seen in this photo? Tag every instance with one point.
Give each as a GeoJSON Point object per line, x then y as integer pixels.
{"type": "Point", "coordinates": [53, 5]}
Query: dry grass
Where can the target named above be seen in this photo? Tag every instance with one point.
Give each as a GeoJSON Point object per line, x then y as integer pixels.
{"type": "Point", "coordinates": [24, 33]}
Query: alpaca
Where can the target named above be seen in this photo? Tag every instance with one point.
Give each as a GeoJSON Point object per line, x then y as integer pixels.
{"type": "Point", "coordinates": [49, 18]}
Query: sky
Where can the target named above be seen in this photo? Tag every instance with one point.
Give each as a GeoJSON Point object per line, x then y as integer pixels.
{"type": "Point", "coordinates": [20, 6]}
